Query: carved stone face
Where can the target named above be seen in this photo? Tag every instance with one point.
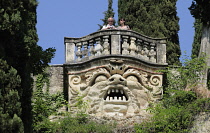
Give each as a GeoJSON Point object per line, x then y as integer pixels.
{"type": "Point", "coordinates": [115, 90]}
{"type": "Point", "coordinates": [117, 93]}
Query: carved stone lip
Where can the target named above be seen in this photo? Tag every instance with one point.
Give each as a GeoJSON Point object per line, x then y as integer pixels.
{"type": "Point", "coordinates": [116, 102]}
{"type": "Point", "coordinates": [116, 94]}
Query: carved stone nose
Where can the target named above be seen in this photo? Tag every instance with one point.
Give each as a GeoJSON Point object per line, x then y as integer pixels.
{"type": "Point", "coordinates": [117, 79]}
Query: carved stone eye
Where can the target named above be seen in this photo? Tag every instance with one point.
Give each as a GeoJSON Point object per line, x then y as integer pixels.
{"type": "Point", "coordinates": [132, 78]}
{"type": "Point", "coordinates": [111, 79]}
{"type": "Point", "coordinates": [100, 78]}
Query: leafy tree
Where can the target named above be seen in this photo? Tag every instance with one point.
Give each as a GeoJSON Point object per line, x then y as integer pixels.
{"type": "Point", "coordinates": [155, 19]}
{"type": "Point", "coordinates": [200, 10]}
{"type": "Point", "coordinates": [107, 14]}
{"type": "Point", "coordinates": [18, 46]}
{"type": "Point", "coordinates": [197, 38]}
{"type": "Point", "coordinates": [10, 106]}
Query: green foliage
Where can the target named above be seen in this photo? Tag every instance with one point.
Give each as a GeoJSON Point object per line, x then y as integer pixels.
{"type": "Point", "coordinates": [200, 10]}
{"type": "Point", "coordinates": [10, 110]}
{"type": "Point", "coordinates": [197, 38]}
{"type": "Point", "coordinates": [155, 19]}
{"type": "Point", "coordinates": [46, 126]}
{"type": "Point", "coordinates": [18, 46]}
{"type": "Point", "coordinates": [80, 122]}
{"type": "Point", "coordinates": [178, 78]}
{"type": "Point", "coordinates": [175, 118]}
{"type": "Point", "coordinates": [178, 108]}
{"type": "Point", "coordinates": [75, 125]}
{"type": "Point", "coordinates": [71, 124]}
{"type": "Point", "coordinates": [44, 103]}
{"type": "Point", "coordinates": [81, 105]}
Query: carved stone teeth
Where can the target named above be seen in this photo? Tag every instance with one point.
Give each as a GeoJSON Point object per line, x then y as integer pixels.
{"type": "Point", "coordinates": [108, 91]}
{"type": "Point", "coordinates": [121, 91]}
{"type": "Point", "coordinates": [117, 90]}
{"type": "Point", "coordinates": [124, 99]}
{"type": "Point", "coordinates": [115, 98]}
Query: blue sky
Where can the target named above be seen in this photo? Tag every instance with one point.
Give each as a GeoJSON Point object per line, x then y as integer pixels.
{"type": "Point", "coordinates": [77, 18]}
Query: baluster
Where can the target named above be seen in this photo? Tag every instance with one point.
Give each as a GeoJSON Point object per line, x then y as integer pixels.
{"type": "Point", "coordinates": [125, 45]}
{"type": "Point", "coordinates": [79, 53]}
{"type": "Point", "coordinates": [145, 51]}
{"type": "Point", "coordinates": [85, 51]}
{"type": "Point", "coordinates": [133, 46]}
{"type": "Point", "coordinates": [91, 50]}
{"type": "Point", "coordinates": [98, 47]}
{"type": "Point", "coordinates": [152, 53]}
{"type": "Point", "coordinates": [106, 45]}
{"type": "Point", "coordinates": [139, 47]}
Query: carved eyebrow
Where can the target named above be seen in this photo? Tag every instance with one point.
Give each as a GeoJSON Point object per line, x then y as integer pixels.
{"type": "Point", "coordinates": [92, 81]}
{"type": "Point", "coordinates": [100, 76]}
{"type": "Point", "coordinates": [132, 76]}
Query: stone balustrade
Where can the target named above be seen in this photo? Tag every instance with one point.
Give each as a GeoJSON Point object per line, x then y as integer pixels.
{"type": "Point", "coordinates": [115, 43]}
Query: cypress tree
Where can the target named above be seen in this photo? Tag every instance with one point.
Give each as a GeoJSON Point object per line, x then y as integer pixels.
{"type": "Point", "coordinates": [107, 14]}
{"type": "Point", "coordinates": [10, 106]}
{"type": "Point", "coordinates": [200, 10]}
{"type": "Point", "coordinates": [197, 38]}
{"type": "Point", "coordinates": [155, 19]}
{"type": "Point", "coordinates": [18, 46]}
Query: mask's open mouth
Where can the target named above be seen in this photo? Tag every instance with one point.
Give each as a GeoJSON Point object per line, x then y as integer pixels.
{"type": "Point", "coordinates": [115, 94]}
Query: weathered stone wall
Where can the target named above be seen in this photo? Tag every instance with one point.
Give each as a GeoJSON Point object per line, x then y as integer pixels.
{"type": "Point", "coordinates": [56, 78]}
{"type": "Point", "coordinates": [201, 123]}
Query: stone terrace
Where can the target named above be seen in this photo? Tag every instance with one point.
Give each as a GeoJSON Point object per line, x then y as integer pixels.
{"type": "Point", "coordinates": [115, 43]}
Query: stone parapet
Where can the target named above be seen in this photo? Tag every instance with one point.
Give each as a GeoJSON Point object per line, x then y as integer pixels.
{"type": "Point", "coordinates": [115, 42]}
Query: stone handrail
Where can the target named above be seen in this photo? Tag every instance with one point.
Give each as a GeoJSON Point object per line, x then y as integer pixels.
{"type": "Point", "coordinates": [115, 42]}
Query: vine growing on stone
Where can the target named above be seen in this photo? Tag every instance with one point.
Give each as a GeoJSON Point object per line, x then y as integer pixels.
{"type": "Point", "coordinates": [44, 103]}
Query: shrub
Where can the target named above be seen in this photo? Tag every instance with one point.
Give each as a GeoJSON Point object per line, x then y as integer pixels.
{"type": "Point", "coordinates": [177, 110]}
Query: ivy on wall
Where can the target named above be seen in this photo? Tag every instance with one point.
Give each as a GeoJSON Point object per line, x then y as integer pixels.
{"type": "Point", "coordinates": [44, 104]}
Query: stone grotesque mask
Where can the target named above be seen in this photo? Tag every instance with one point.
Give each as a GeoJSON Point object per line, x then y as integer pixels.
{"type": "Point", "coordinates": [115, 89]}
